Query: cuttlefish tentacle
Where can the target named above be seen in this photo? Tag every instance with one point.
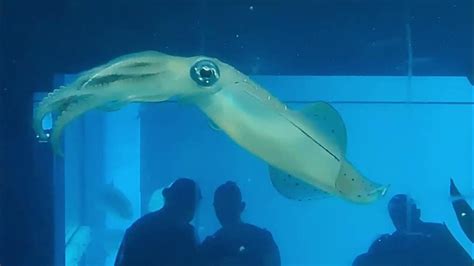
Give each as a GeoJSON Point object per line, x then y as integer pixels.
{"type": "Point", "coordinates": [57, 100]}
{"type": "Point", "coordinates": [303, 148]}
{"type": "Point", "coordinates": [139, 77]}
{"type": "Point", "coordinates": [68, 114]}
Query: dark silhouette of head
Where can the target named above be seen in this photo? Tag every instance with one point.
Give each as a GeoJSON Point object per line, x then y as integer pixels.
{"type": "Point", "coordinates": [228, 204]}
{"type": "Point", "coordinates": [403, 212]}
{"type": "Point", "coordinates": [181, 199]}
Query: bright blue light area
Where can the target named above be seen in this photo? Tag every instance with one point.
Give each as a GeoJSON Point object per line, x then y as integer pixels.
{"type": "Point", "coordinates": [415, 148]}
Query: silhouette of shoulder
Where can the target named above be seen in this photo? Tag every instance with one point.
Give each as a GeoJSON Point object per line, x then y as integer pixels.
{"type": "Point", "coordinates": [155, 238]}
{"type": "Point", "coordinates": [380, 243]}
{"type": "Point", "coordinates": [435, 226]}
{"type": "Point", "coordinates": [435, 230]}
{"type": "Point", "coordinates": [157, 222]}
{"type": "Point", "coordinates": [243, 244]}
{"type": "Point", "coordinates": [245, 231]}
{"type": "Point", "coordinates": [241, 239]}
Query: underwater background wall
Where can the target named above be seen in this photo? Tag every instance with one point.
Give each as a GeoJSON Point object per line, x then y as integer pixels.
{"type": "Point", "coordinates": [400, 73]}
{"type": "Point", "coordinates": [416, 160]}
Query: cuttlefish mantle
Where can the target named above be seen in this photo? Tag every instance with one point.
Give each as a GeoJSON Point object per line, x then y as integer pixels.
{"type": "Point", "coordinates": [305, 149]}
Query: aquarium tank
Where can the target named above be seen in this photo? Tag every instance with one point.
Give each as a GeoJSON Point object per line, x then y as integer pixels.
{"type": "Point", "coordinates": [239, 132]}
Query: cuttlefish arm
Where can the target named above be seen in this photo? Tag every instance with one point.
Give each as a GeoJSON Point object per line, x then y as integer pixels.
{"type": "Point", "coordinates": [304, 149]}
{"type": "Point", "coordinates": [140, 77]}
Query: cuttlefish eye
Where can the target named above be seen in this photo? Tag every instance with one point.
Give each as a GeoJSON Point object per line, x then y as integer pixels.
{"type": "Point", "coordinates": [205, 73]}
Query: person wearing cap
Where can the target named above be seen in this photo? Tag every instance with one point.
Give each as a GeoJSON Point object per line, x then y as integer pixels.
{"type": "Point", "coordinates": [164, 237]}
{"type": "Point", "coordinates": [237, 242]}
{"type": "Point", "coordinates": [414, 242]}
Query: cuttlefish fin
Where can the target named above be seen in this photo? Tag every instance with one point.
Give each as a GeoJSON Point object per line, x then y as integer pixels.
{"type": "Point", "coordinates": [294, 188]}
{"type": "Point", "coordinates": [352, 185]}
{"type": "Point", "coordinates": [328, 122]}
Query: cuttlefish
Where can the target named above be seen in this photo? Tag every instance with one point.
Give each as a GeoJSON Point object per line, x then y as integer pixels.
{"type": "Point", "coordinates": [304, 149]}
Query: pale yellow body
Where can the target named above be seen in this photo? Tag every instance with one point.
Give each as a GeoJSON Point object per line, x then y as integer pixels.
{"type": "Point", "coordinates": [288, 140]}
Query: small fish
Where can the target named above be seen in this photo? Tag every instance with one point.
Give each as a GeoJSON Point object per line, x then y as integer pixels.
{"type": "Point", "coordinates": [115, 202]}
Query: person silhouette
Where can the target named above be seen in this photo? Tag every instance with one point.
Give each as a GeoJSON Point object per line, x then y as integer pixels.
{"type": "Point", "coordinates": [164, 237]}
{"type": "Point", "coordinates": [414, 241]}
{"type": "Point", "coordinates": [237, 242]}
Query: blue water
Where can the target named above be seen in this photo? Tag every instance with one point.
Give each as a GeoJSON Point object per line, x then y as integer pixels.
{"type": "Point", "coordinates": [396, 71]}
{"type": "Point", "coordinates": [416, 147]}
